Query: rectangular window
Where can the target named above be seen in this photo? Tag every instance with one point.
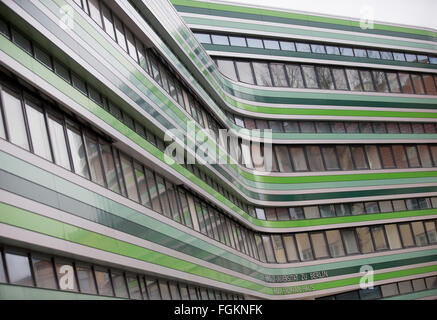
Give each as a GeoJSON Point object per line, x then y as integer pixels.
{"type": "Point", "coordinates": [330, 157]}
{"type": "Point", "coordinates": [38, 131]}
{"type": "Point", "coordinates": [79, 84]}
{"type": "Point", "coordinates": [287, 46]}
{"type": "Point", "coordinates": [307, 127]}
{"type": "Point", "coordinates": [389, 290]}
{"type": "Point", "coordinates": [19, 269]}
{"type": "Point", "coordinates": [310, 77]}
{"type": "Point", "coordinates": [227, 68]}
{"type": "Point", "coordinates": [85, 277]}
{"type": "Point", "coordinates": [271, 44]}
{"type": "Point", "coordinates": [245, 72]}
{"type": "Point", "coordinates": [359, 157]}
{"type": "Point", "coordinates": [385, 206]}
{"type": "Point", "coordinates": [203, 37]}
{"type": "Point", "coordinates": [269, 249]}
{"type": "Point", "coordinates": [317, 48]}
{"type": "Point", "coordinates": [419, 233]}
{"type": "Point", "coordinates": [386, 55]}
{"type": "Point", "coordinates": [126, 166]}
{"type": "Point", "coordinates": [366, 76]}
{"type": "Point", "coordinates": [278, 249]}
{"type": "Point", "coordinates": [290, 248]}
{"type": "Point", "coordinates": [262, 74]}
{"type": "Point", "coordinates": [340, 79]}
{"type": "Point", "coordinates": [107, 20]}
{"type": "Point", "coordinates": [238, 41]}
{"type": "Point", "coordinates": [142, 184]}
{"type": "Point", "coordinates": [119, 30]}
{"type": "Point", "coordinates": [418, 84]}
{"type": "Point", "coordinates": [365, 240]}
{"type": "Point", "coordinates": [296, 213]}
{"type": "Point", "coordinates": [335, 244]}
{"type": "Point", "coordinates": [254, 43]}
{"type": "Point", "coordinates": [14, 118]}
{"type": "Point", "coordinates": [346, 51]}
{"type": "Point", "coordinates": [295, 76]}
{"type": "Point", "coordinates": [332, 50]}
{"type": "Point", "coordinates": [354, 80]}
{"type": "Point", "coordinates": [380, 81]}
{"type": "Point", "coordinates": [345, 157]}
{"type": "Point", "coordinates": [379, 127]}
{"type": "Point", "coordinates": [278, 75]}
{"type": "Point", "coordinates": [325, 78]}
{"type": "Point", "coordinates": [343, 209]}
{"type": "Point", "coordinates": [431, 232]}
{"type": "Point", "coordinates": [77, 152]}
{"type": "Point", "coordinates": [104, 285]}
{"type": "Point", "coordinates": [94, 160]}
{"type": "Point", "coordinates": [21, 41]}
{"type": "Point", "coordinates": [379, 238]}
{"type": "Point", "coordinates": [406, 84]}
{"type": "Point", "coordinates": [360, 53]}
{"type": "Point", "coordinates": [429, 84]}
{"type": "Point", "coordinates": [386, 157]}
{"type": "Point", "coordinates": [131, 45]}
{"type": "Point", "coordinates": [393, 82]}
{"type": "Point", "coordinates": [119, 283]}
{"type": "Point", "coordinates": [319, 245]}
{"type": "Point", "coordinates": [374, 54]}
{"type": "Point", "coordinates": [220, 40]}
{"type": "Point", "coordinates": [373, 156]}
{"type": "Point", "coordinates": [133, 286]}
{"type": "Point", "coordinates": [399, 155]}
{"type": "Point", "coordinates": [95, 11]}
{"type": "Point", "coordinates": [350, 241]}
{"type": "Point", "coordinates": [405, 287]}
{"type": "Point", "coordinates": [44, 272]}
{"type": "Point", "coordinates": [393, 238]}
{"type": "Point", "coordinates": [314, 158]}
{"type": "Point", "coordinates": [323, 127]}
{"type": "Point", "coordinates": [303, 47]}
{"type": "Point", "coordinates": [412, 156]}
{"type": "Point", "coordinates": [406, 235]}
{"type": "Point", "coordinates": [311, 212]}
{"type": "Point", "coordinates": [304, 247]}
{"type": "Point", "coordinates": [327, 211]}
{"type": "Point", "coordinates": [298, 158]}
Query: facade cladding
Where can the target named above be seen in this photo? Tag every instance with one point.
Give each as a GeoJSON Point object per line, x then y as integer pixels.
{"type": "Point", "coordinates": [91, 209]}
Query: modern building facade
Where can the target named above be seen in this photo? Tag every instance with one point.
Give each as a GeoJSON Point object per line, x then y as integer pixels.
{"type": "Point", "coordinates": [91, 208]}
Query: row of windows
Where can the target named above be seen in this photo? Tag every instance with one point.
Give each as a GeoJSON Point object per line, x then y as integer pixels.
{"type": "Point", "coordinates": [278, 74]}
{"type": "Point", "coordinates": [303, 126]}
{"type": "Point", "coordinates": [301, 158]}
{"type": "Point", "coordinates": [88, 90]}
{"type": "Point", "coordinates": [387, 290]}
{"type": "Point", "coordinates": [306, 47]}
{"type": "Point", "coordinates": [305, 246]}
{"type": "Point", "coordinates": [33, 269]}
{"type": "Point", "coordinates": [344, 209]}
{"type": "Point", "coordinates": [55, 137]}
{"type": "Point", "coordinates": [149, 60]}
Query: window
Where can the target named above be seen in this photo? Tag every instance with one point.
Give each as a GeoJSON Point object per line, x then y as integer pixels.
{"type": "Point", "coordinates": [295, 76]}
{"type": "Point", "coordinates": [431, 232]}
{"type": "Point", "coordinates": [317, 48]}
{"type": "Point", "coordinates": [371, 207]}
{"type": "Point", "coordinates": [412, 156]}
{"type": "Point", "coordinates": [386, 157]}
{"type": "Point", "coordinates": [429, 84]}
{"type": "Point", "coordinates": [103, 280]}
{"type": "Point", "coordinates": [335, 244]}
{"type": "Point", "coordinates": [405, 287]}
{"type": "Point", "coordinates": [327, 211]}
{"type": "Point", "coordinates": [340, 79]}
{"type": "Point", "coordinates": [314, 158]}
{"type": "Point", "coordinates": [373, 157]}
{"type": "Point", "coordinates": [319, 245]}
{"type": "Point", "coordinates": [365, 240]}
{"type": "Point", "coordinates": [399, 56]}
{"type": "Point", "coordinates": [44, 272]}
{"type": "Point", "coordinates": [303, 47]}
{"type": "Point", "coordinates": [278, 249]}
{"type": "Point", "coordinates": [270, 214]}
{"type": "Point", "coordinates": [359, 157]}
{"type": "Point", "coordinates": [21, 41]}
{"type": "Point", "coordinates": [297, 213]}
{"type": "Point", "coordinates": [385, 206]}
{"type": "Point", "coordinates": [79, 84]}
{"type": "Point", "coordinates": [107, 20]}
{"type": "Point", "coordinates": [357, 208]}
{"type": "Point", "coordinates": [287, 46]}
{"type": "Point", "coordinates": [330, 158]}
{"type": "Point", "coordinates": [311, 212]}
{"type": "Point", "coordinates": [282, 214]}
{"type": "Point", "coordinates": [419, 233]}
{"type": "Point", "coordinates": [379, 238]}
{"type": "Point", "coordinates": [419, 284]}
{"type": "Point", "coordinates": [380, 81]}
{"type": "Point", "coordinates": [262, 74]}
{"type": "Point", "coordinates": [260, 214]}
{"type": "Point", "coordinates": [323, 127]}
{"type": "Point", "coordinates": [332, 50]}
{"type": "Point", "coordinates": [134, 289]}
{"type": "Point", "coordinates": [77, 152]}
{"type": "Point", "coordinates": [245, 72]}
{"type": "Point", "coordinates": [346, 52]}
{"type": "Point", "coordinates": [42, 57]}
{"type": "Point", "coordinates": [203, 37]}
{"type": "Point", "coordinates": [66, 275]}
{"type": "Point", "coordinates": [94, 160]}
{"type": "Point", "coordinates": [283, 159]}
{"type": "Point", "coordinates": [254, 43]}
{"type": "Point", "coordinates": [374, 54]}
{"type": "Point", "coordinates": [366, 76]}
{"type": "Point", "coordinates": [350, 241]}
{"type": "Point", "coordinates": [410, 57]}
{"type": "Point", "coordinates": [298, 158]}
{"type": "Point", "coordinates": [291, 126]}
{"type": "Point", "coordinates": [399, 155]}
{"type": "Point", "coordinates": [343, 209]}
{"type": "Point", "coordinates": [271, 44]}
{"type": "Point", "coordinates": [418, 84]}
{"type": "Point", "coordinates": [393, 238]}
{"type": "Point", "coordinates": [220, 40]}
{"type": "Point", "coordinates": [278, 75]}
{"type": "Point", "coordinates": [238, 41]}
{"type": "Point", "coordinates": [290, 248]}
{"type": "Point", "coordinates": [14, 118]}
{"type": "Point", "coordinates": [345, 157]}
{"type": "Point", "coordinates": [354, 80]}
{"type": "Point", "coordinates": [18, 269]}
{"type": "Point", "coordinates": [268, 248]}
{"type": "Point", "coordinates": [86, 279]}
{"type": "Point", "coordinates": [393, 82]}
{"type": "Point", "coordinates": [360, 53]}
{"type": "Point", "coordinates": [389, 290]}
{"type": "Point", "coordinates": [406, 84]}
{"type": "Point", "coordinates": [406, 235]}
{"type": "Point", "coordinates": [95, 11]}
{"type": "Point", "coordinates": [325, 78]}
{"type": "Point", "coordinates": [307, 127]}
{"type": "Point", "coordinates": [131, 45]}
{"type": "Point", "coordinates": [370, 293]}
{"type": "Point", "coordinates": [119, 283]}
{"type": "Point", "coordinates": [310, 77]}
{"type": "Point", "coordinates": [38, 131]}
{"type": "Point", "coordinates": [304, 247]}
{"type": "Point", "coordinates": [386, 55]}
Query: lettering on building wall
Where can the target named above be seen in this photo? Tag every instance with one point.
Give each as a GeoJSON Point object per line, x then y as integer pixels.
{"type": "Point", "coordinates": [296, 277]}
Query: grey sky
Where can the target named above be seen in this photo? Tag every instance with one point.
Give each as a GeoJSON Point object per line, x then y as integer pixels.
{"type": "Point", "coordinates": [420, 13]}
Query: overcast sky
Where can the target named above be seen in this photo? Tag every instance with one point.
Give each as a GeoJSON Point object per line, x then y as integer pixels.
{"type": "Point", "coordinates": [409, 12]}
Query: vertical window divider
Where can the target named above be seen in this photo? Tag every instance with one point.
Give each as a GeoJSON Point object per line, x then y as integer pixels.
{"type": "Point", "coordinates": [67, 142]}
{"type": "Point", "coordinates": [32, 271]}
{"type": "Point", "coordinates": [46, 119]}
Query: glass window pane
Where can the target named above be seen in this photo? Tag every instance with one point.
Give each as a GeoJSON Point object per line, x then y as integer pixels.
{"type": "Point", "coordinates": [393, 82]}
{"type": "Point", "coordinates": [278, 249]}
{"type": "Point", "coordinates": [431, 282]}
{"type": "Point", "coordinates": [152, 289]}
{"type": "Point", "coordinates": [86, 279]}
{"type": "Point", "coordinates": [360, 53]}
{"type": "Point", "coordinates": [379, 238]}
{"type": "Point", "coordinates": [393, 236]}
{"type": "Point", "coordinates": [42, 57]}
{"type": "Point", "coordinates": [44, 272]}
{"type": "Point", "coordinates": [220, 40]}
{"type": "Point", "coordinates": [330, 158]}
{"type": "Point", "coordinates": [268, 248]}
{"type": "Point", "coordinates": [410, 57]}
{"type": "Point", "coordinates": [325, 78]}
{"type": "Point", "coordinates": [370, 293]}
{"type": "Point", "coordinates": [312, 212]}
{"type": "Point", "coordinates": [365, 240]}
{"type": "Point", "coordinates": [245, 72]}
{"type": "Point", "coordinates": [359, 157]}
{"type": "Point", "coordinates": [315, 158]}
{"type": "Point", "coordinates": [343, 209]}
{"type": "Point", "coordinates": [271, 44]}
{"type": "Point", "coordinates": [254, 43]}
{"type": "Point", "coordinates": [14, 118]}
{"type": "Point", "coordinates": [431, 232]}
{"type": "Point", "coordinates": [323, 127]}
{"type": "Point", "coordinates": [380, 81]}
{"type": "Point", "coordinates": [340, 79]}
{"type": "Point", "coordinates": [310, 76]}
{"type": "Point", "coordinates": [107, 19]}
{"type": "Point", "coordinates": [389, 290]}
{"type": "Point", "coordinates": [95, 11]}
{"type": "Point", "coordinates": [283, 159]}
{"type": "Point", "coordinates": [418, 84]}
{"type": "Point", "coordinates": [386, 157]}
{"type": "Point", "coordinates": [413, 157]}
{"type": "Point", "coordinates": [429, 84]}
{"type": "Point", "coordinates": [419, 233]}
{"type": "Point", "coordinates": [109, 168]}
{"type": "Point", "coordinates": [350, 241]}
{"type": "Point", "coordinates": [346, 52]}
{"type": "Point", "coordinates": [79, 84]}
{"type": "Point", "coordinates": [21, 41]}
{"type": "Point", "coordinates": [287, 46]}
{"type": "Point", "coordinates": [327, 211]}
{"type": "Point", "coordinates": [290, 248]}
{"type": "Point", "coordinates": [296, 213]}
{"type": "Point", "coordinates": [374, 54]}
{"type": "Point", "coordinates": [131, 44]}
{"type": "Point", "coordinates": [385, 206]}
{"type": "Point", "coordinates": [2, 267]}
{"type": "Point", "coordinates": [174, 291]}
{"type": "Point", "coordinates": [332, 50]}
{"type": "Point", "coordinates": [131, 187]}
{"type": "Point", "coordinates": [307, 127]}
{"type": "Point", "coordinates": [103, 280]}
{"type": "Point", "coordinates": [77, 152]}
{"type": "Point", "coordinates": [94, 160]}
{"type": "Point", "coordinates": [203, 37]}
{"type": "Point", "coordinates": [227, 68]}
{"type": "Point", "coordinates": [319, 245]}
{"type": "Point", "coordinates": [304, 246]}
{"type": "Point", "coordinates": [406, 235]}
{"type": "Point", "coordinates": [399, 155]}
{"type": "Point", "coordinates": [262, 74]}
{"type": "Point", "coordinates": [371, 207]}
{"type": "Point", "coordinates": [387, 55]}
{"type": "Point", "coordinates": [18, 269]}
{"type": "Point", "coordinates": [373, 156]}
{"type": "Point", "coordinates": [133, 286]}
{"type": "Point", "coordinates": [419, 285]}
{"type": "Point", "coordinates": [354, 80]}
{"type": "Point", "coordinates": [238, 41]}
{"type": "Point", "coordinates": [62, 71]}
{"type": "Point", "coordinates": [406, 84]}
{"type": "Point", "coordinates": [345, 157]}
{"type": "Point", "coordinates": [366, 77]}
{"type": "Point", "coordinates": [405, 287]}
{"type": "Point", "coordinates": [335, 244]}
{"type": "Point", "coordinates": [399, 56]}
{"type": "Point", "coordinates": [303, 47]}
{"type": "Point", "coordinates": [291, 126]}
{"type": "Point", "coordinates": [317, 48]}
{"type": "Point", "coordinates": [295, 76]}
{"type": "Point", "coordinates": [38, 131]}
{"type": "Point", "coordinates": [298, 158]}
{"type": "Point", "coordinates": [278, 75]}
{"type": "Point", "coordinates": [119, 30]}
{"type": "Point", "coordinates": [119, 284]}
{"type": "Point", "coordinates": [66, 275]}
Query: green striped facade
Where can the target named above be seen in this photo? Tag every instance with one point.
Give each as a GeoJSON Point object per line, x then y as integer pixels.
{"type": "Point", "coordinates": [50, 210]}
